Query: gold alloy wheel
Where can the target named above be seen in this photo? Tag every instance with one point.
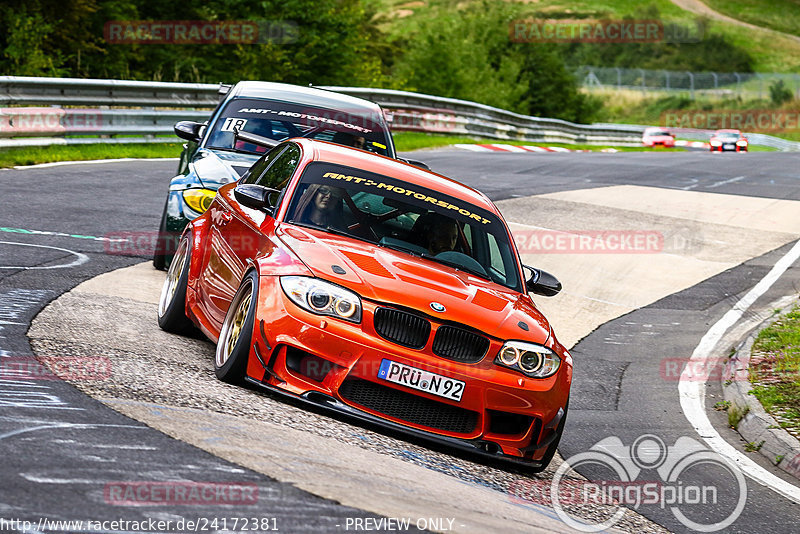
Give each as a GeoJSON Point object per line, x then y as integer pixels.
{"type": "Point", "coordinates": [173, 276]}
{"type": "Point", "coordinates": [234, 323]}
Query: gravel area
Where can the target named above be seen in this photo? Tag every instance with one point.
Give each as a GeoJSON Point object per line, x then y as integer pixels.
{"type": "Point", "coordinates": [149, 365]}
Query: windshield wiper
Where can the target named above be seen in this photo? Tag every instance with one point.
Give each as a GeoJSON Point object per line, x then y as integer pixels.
{"type": "Point", "coordinates": [401, 248]}
{"type": "Point", "coordinates": [458, 266]}
{"type": "Point", "coordinates": [419, 254]}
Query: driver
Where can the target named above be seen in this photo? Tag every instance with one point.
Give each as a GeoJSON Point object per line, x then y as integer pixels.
{"type": "Point", "coordinates": [439, 232]}
{"type": "Point", "coordinates": [346, 139]}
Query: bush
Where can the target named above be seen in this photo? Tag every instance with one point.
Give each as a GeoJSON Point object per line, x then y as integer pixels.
{"type": "Point", "coordinates": [779, 93]}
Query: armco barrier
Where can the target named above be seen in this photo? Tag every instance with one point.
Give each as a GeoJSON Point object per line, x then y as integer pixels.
{"type": "Point", "coordinates": [45, 111]}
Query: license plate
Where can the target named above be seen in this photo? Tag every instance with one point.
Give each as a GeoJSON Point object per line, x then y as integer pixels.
{"type": "Point", "coordinates": [414, 378]}
{"type": "Point", "coordinates": [728, 146]}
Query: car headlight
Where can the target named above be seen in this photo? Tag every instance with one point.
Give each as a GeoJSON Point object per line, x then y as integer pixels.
{"type": "Point", "coordinates": [741, 142]}
{"type": "Point", "coordinates": [199, 199]}
{"type": "Point", "coordinates": [716, 143]}
{"type": "Point", "coordinates": [323, 298]}
{"type": "Point", "coordinates": [531, 359]}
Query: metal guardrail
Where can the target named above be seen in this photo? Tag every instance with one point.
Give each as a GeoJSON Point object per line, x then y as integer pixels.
{"type": "Point", "coordinates": [102, 121]}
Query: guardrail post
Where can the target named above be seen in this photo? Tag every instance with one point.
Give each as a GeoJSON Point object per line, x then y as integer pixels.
{"type": "Point", "coordinates": [691, 84]}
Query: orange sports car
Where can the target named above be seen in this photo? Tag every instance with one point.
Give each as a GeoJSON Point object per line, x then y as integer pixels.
{"type": "Point", "coordinates": [371, 287]}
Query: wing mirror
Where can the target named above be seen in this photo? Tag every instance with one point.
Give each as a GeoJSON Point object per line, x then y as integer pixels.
{"type": "Point", "coordinates": [416, 163]}
{"type": "Point", "coordinates": [256, 197]}
{"type": "Point", "coordinates": [542, 283]}
{"type": "Point", "coordinates": [188, 130]}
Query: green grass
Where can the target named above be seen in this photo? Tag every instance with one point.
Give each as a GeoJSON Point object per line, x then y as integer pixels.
{"type": "Point", "coordinates": [408, 141]}
{"type": "Point", "coordinates": [780, 15]}
{"type": "Point", "coordinates": [10, 157]}
{"type": "Point", "coordinates": [776, 375]}
{"type": "Point", "coordinates": [770, 53]}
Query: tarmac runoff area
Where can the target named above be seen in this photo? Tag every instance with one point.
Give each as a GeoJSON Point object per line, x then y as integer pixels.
{"type": "Point", "coordinates": [168, 381]}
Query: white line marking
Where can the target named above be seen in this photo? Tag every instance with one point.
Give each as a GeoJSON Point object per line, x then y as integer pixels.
{"type": "Point", "coordinates": [723, 182]}
{"type": "Point", "coordinates": [692, 390]}
{"type": "Point", "coordinates": [79, 260]}
{"type": "Point", "coordinates": [88, 162]}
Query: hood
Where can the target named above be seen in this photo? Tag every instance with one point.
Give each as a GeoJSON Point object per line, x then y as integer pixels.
{"type": "Point", "coordinates": [217, 168]}
{"type": "Point", "coordinates": [387, 276]}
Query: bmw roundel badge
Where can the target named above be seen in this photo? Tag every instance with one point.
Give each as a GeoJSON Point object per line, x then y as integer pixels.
{"type": "Point", "coordinates": [435, 306]}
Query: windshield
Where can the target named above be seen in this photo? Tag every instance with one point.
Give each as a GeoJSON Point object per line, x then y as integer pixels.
{"type": "Point", "coordinates": [728, 135]}
{"type": "Point", "coordinates": [408, 218]}
{"type": "Point", "coordinates": [281, 120]}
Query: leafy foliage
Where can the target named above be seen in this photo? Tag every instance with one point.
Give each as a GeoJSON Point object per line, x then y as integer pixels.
{"type": "Point", "coordinates": [469, 55]}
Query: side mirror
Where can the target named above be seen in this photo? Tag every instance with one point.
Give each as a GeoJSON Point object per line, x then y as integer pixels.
{"type": "Point", "coordinates": [188, 130]}
{"type": "Point", "coordinates": [542, 283]}
{"type": "Point", "coordinates": [255, 196]}
{"type": "Point", "coordinates": [416, 163]}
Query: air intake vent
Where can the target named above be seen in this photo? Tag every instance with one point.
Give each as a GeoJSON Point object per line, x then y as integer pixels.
{"type": "Point", "coordinates": [402, 328]}
{"type": "Point", "coordinates": [459, 344]}
{"type": "Point", "coordinates": [409, 407]}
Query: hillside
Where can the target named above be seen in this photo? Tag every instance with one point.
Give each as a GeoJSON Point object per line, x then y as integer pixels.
{"type": "Point", "coordinates": [769, 52]}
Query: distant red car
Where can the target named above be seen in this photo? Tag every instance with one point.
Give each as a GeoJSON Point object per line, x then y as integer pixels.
{"type": "Point", "coordinates": [377, 289]}
{"type": "Point", "coordinates": [658, 137]}
{"type": "Point", "coordinates": [728, 140]}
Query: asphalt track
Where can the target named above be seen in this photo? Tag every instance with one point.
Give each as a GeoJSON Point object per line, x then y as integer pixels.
{"type": "Point", "coordinates": [61, 453]}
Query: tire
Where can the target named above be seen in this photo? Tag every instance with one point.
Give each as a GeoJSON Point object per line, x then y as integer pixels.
{"type": "Point", "coordinates": [172, 303]}
{"type": "Point", "coordinates": [235, 337]}
{"type": "Point", "coordinates": [159, 258]}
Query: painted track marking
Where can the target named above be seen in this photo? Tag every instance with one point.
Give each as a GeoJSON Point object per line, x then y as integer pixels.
{"type": "Point", "coordinates": [692, 391]}
{"type": "Point", "coordinates": [80, 258]}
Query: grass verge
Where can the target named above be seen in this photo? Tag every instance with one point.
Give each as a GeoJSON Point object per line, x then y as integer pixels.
{"type": "Point", "coordinates": [775, 370]}
{"type": "Point", "coordinates": [408, 141]}
{"type": "Point", "coordinates": [10, 157]}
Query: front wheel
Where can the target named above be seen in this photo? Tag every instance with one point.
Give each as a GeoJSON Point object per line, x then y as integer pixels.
{"type": "Point", "coordinates": [172, 304]}
{"type": "Point", "coordinates": [235, 338]}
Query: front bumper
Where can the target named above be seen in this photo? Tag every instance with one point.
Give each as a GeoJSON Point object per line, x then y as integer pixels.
{"type": "Point", "coordinates": [334, 364]}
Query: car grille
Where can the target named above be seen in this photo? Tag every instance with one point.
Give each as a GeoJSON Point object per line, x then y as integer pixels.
{"type": "Point", "coordinates": [403, 328]}
{"type": "Point", "coordinates": [409, 407]}
{"type": "Point", "coordinates": [459, 344]}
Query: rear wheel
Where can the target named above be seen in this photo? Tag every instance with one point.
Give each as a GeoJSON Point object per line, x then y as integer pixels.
{"type": "Point", "coordinates": [172, 304]}
{"type": "Point", "coordinates": [235, 338]}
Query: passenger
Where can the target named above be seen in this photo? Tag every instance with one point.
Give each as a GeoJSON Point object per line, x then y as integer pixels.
{"type": "Point", "coordinates": [321, 205]}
